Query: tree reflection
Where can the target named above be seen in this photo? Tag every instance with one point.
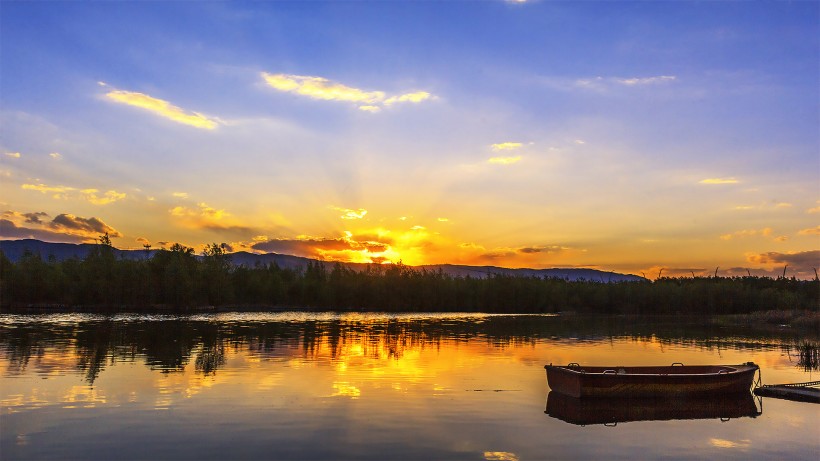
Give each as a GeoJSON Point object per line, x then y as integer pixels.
{"type": "Point", "coordinates": [169, 345]}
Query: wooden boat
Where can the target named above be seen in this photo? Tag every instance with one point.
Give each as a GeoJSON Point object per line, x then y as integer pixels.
{"type": "Point", "coordinates": [676, 379]}
{"type": "Point", "coordinates": [609, 411]}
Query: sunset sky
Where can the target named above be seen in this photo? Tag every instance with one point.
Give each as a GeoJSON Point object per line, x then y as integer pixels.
{"type": "Point", "coordinates": [626, 136]}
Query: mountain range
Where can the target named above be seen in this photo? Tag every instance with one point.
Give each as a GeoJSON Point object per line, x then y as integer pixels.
{"type": "Point", "coordinates": [15, 249]}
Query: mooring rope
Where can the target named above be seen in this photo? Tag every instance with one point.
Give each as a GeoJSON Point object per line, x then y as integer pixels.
{"type": "Point", "coordinates": [808, 384]}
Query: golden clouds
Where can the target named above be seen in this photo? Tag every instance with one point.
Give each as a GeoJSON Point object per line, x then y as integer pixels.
{"type": "Point", "coordinates": [203, 210]}
{"type": "Point", "coordinates": [502, 455]}
{"type": "Point", "coordinates": [56, 155]}
{"type": "Point", "coordinates": [321, 88]}
{"type": "Point", "coordinates": [13, 154]}
{"type": "Point", "coordinates": [506, 146]}
{"type": "Point", "coordinates": [723, 443]}
{"type": "Point", "coordinates": [729, 180]}
{"type": "Point", "coordinates": [810, 231]}
{"type": "Point", "coordinates": [348, 213]}
{"type": "Point", "coordinates": [58, 192]}
{"type": "Point", "coordinates": [372, 109]}
{"type": "Point", "coordinates": [65, 192]}
{"type": "Point", "coordinates": [107, 197]}
{"type": "Point", "coordinates": [504, 160]}
{"type": "Point", "coordinates": [765, 232]}
{"type": "Point", "coordinates": [162, 108]}
{"type": "Point", "coordinates": [327, 90]}
{"type": "Point", "coordinates": [347, 248]}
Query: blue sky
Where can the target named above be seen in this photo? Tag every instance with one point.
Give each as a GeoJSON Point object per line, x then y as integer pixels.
{"type": "Point", "coordinates": [622, 135]}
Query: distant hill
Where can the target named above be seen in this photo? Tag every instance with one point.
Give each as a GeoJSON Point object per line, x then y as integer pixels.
{"type": "Point", "coordinates": [15, 249]}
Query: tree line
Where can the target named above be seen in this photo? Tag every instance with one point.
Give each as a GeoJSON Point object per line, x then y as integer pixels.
{"type": "Point", "coordinates": [178, 279]}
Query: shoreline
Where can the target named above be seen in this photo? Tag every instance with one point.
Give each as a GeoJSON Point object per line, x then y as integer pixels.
{"type": "Point", "coordinates": [759, 320]}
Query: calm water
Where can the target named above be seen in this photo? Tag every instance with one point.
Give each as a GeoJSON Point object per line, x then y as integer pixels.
{"type": "Point", "coordinates": [371, 386]}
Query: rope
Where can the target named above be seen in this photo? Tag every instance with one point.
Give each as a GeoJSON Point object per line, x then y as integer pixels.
{"type": "Point", "coordinates": [808, 384]}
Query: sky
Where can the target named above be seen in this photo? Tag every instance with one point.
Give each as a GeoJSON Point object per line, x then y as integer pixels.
{"type": "Point", "coordinates": [674, 138]}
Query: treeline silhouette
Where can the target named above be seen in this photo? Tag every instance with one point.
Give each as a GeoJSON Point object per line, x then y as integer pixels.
{"type": "Point", "coordinates": [178, 279]}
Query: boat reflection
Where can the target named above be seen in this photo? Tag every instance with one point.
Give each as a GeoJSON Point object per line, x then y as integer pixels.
{"type": "Point", "coordinates": [610, 411]}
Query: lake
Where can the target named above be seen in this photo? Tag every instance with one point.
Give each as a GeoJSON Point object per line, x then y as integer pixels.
{"type": "Point", "coordinates": [379, 386]}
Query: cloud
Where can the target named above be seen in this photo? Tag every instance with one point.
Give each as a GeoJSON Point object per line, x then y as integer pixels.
{"type": "Point", "coordinates": [204, 210]}
{"type": "Point", "coordinates": [767, 231]}
{"type": "Point", "coordinates": [110, 196]}
{"type": "Point", "coordinates": [65, 192]}
{"type": "Point", "coordinates": [27, 218]}
{"type": "Point", "coordinates": [34, 218]}
{"type": "Point", "coordinates": [729, 180]}
{"type": "Point", "coordinates": [13, 154]}
{"type": "Point", "coordinates": [10, 230]}
{"type": "Point", "coordinates": [723, 443]}
{"type": "Point", "coordinates": [162, 108]}
{"type": "Point", "coordinates": [180, 194]}
{"type": "Point", "coordinates": [602, 84]}
{"type": "Point", "coordinates": [502, 455]}
{"type": "Point", "coordinates": [504, 160]}
{"type": "Point", "coordinates": [142, 240]}
{"type": "Point", "coordinates": [416, 97]}
{"type": "Point", "coordinates": [810, 231]}
{"type": "Point", "coordinates": [303, 246]}
{"type": "Point", "coordinates": [56, 155]}
{"type": "Point", "coordinates": [59, 192]}
{"type": "Point", "coordinates": [799, 260]}
{"type": "Point", "coordinates": [506, 146]}
{"type": "Point", "coordinates": [204, 216]}
{"type": "Point", "coordinates": [372, 109]}
{"type": "Point", "coordinates": [358, 248]}
{"type": "Point", "coordinates": [321, 88]}
{"type": "Point", "coordinates": [546, 249]}
{"type": "Point", "coordinates": [327, 90]}
{"type": "Point", "coordinates": [443, 220]}
{"type": "Point", "coordinates": [814, 210]}
{"type": "Point", "coordinates": [64, 228]}
{"type": "Point", "coordinates": [74, 224]}
{"type": "Point", "coordinates": [645, 80]}
{"type": "Point", "coordinates": [348, 213]}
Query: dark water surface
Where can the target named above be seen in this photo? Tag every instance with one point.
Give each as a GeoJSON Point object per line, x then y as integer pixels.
{"type": "Point", "coordinates": [378, 386]}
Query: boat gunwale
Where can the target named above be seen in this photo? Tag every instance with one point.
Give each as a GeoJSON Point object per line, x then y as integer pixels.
{"type": "Point", "coordinates": [734, 369]}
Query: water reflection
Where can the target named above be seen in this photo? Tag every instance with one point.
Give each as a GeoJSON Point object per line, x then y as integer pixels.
{"type": "Point", "coordinates": [610, 411]}
{"type": "Point", "coordinates": [367, 386]}
{"type": "Point", "coordinates": [168, 344]}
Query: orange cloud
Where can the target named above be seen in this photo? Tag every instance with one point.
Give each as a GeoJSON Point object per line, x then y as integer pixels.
{"type": "Point", "coordinates": [799, 260]}
{"type": "Point", "coordinates": [65, 227]}
{"type": "Point", "coordinates": [767, 231]}
{"type": "Point", "coordinates": [348, 213]}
